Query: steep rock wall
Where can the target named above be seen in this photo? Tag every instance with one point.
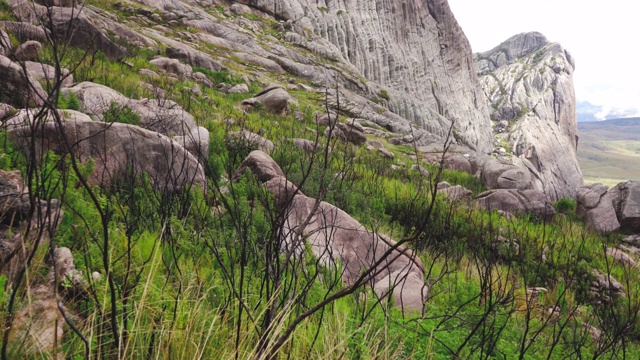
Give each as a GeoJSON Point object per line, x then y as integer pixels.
{"type": "Point", "coordinates": [528, 82]}
{"type": "Point", "coordinates": [414, 47]}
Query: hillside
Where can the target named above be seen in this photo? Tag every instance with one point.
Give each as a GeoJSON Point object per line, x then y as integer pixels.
{"type": "Point", "coordinates": [261, 179]}
{"type": "Point", "coordinates": [610, 149]}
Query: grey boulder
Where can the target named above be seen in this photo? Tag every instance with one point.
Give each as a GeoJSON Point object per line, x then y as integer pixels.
{"type": "Point", "coordinates": [532, 202]}
{"type": "Point", "coordinates": [596, 205]}
{"type": "Point", "coordinates": [626, 201]}
{"type": "Point", "coordinates": [274, 98]}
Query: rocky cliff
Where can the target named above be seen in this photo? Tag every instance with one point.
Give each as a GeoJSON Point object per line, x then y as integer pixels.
{"type": "Point", "coordinates": [529, 86]}
{"type": "Point", "coordinates": [411, 57]}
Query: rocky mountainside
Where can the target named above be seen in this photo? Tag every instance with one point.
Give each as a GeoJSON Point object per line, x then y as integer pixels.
{"type": "Point", "coordinates": [309, 179]}
{"type": "Point", "coordinates": [528, 83]}
{"type": "Point", "coordinates": [411, 58]}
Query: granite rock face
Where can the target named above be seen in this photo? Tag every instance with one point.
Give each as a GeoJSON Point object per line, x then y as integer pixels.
{"type": "Point", "coordinates": [595, 203]}
{"type": "Point", "coordinates": [626, 201]}
{"type": "Point", "coordinates": [414, 48]}
{"type": "Point", "coordinates": [528, 82]}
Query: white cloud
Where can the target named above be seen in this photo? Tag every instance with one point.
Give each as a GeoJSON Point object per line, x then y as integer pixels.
{"type": "Point", "coordinates": [598, 35]}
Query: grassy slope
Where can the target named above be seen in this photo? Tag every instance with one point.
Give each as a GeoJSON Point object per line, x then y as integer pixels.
{"type": "Point", "coordinates": [610, 150]}
{"type": "Point", "coordinates": [201, 319]}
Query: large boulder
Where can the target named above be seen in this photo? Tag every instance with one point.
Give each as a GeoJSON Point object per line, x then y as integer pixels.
{"type": "Point", "coordinates": [194, 58]}
{"type": "Point", "coordinates": [78, 30]}
{"type": "Point", "coordinates": [595, 203]}
{"type": "Point", "coordinates": [163, 116]}
{"type": "Point", "coordinates": [196, 142]}
{"type": "Point", "coordinates": [626, 201]}
{"type": "Point", "coordinates": [173, 66]}
{"type": "Point", "coordinates": [47, 73]}
{"type": "Point", "coordinates": [274, 98]}
{"type": "Point", "coordinates": [498, 175]}
{"type": "Point", "coordinates": [334, 237]}
{"type": "Point", "coordinates": [261, 165]}
{"type": "Point", "coordinates": [25, 31]}
{"type": "Point", "coordinates": [27, 51]}
{"type": "Point", "coordinates": [252, 139]}
{"type": "Point", "coordinates": [19, 89]}
{"type": "Point", "coordinates": [119, 151]}
{"type": "Point", "coordinates": [38, 327]}
{"type": "Point", "coordinates": [341, 242]}
{"type": "Point", "coordinates": [532, 202]}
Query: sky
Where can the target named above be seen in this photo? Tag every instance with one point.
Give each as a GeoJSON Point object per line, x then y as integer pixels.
{"type": "Point", "coordinates": [603, 37]}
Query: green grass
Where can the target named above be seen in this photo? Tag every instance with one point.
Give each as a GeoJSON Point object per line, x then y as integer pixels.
{"type": "Point", "coordinates": [189, 267]}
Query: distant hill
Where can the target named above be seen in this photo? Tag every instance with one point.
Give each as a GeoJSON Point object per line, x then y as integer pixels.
{"type": "Point", "coordinates": [609, 151]}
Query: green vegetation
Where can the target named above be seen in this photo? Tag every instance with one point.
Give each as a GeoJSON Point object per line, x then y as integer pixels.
{"type": "Point", "coordinates": [201, 273]}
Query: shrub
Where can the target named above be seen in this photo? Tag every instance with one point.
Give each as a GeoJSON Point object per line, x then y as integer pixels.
{"type": "Point", "coordinates": [70, 102]}
{"type": "Point", "coordinates": [565, 206]}
{"type": "Point", "coordinates": [121, 114]}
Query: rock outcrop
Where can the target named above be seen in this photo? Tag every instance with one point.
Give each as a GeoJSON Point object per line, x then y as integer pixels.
{"type": "Point", "coordinates": [119, 151]}
{"type": "Point", "coordinates": [528, 83]}
{"type": "Point", "coordinates": [596, 204]}
{"type": "Point", "coordinates": [163, 116]}
{"type": "Point", "coordinates": [626, 201]}
{"type": "Point", "coordinates": [533, 202]}
{"type": "Point", "coordinates": [334, 237]}
{"type": "Point", "coordinates": [274, 98]}
{"type": "Point", "coordinates": [19, 88]}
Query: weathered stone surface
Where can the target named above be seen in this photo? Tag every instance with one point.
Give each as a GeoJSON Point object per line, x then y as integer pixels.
{"type": "Point", "coordinates": [15, 201]}
{"type": "Point", "coordinates": [597, 207]}
{"type": "Point", "coordinates": [498, 175]}
{"type": "Point", "coordinates": [46, 73]}
{"type": "Point", "coordinates": [17, 89]}
{"type": "Point", "coordinates": [307, 145]}
{"type": "Point", "coordinates": [528, 82]}
{"type": "Point", "coordinates": [239, 89]}
{"type": "Point", "coordinates": [27, 51]}
{"type": "Point", "coordinates": [5, 43]}
{"type": "Point", "coordinates": [390, 43]}
{"type": "Point", "coordinates": [196, 142]}
{"type": "Point", "coordinates": [148, 73]}
{"type": "Point", "coordinates": [451, 161]}
{"type": "Point", "coordinates": [626, 201]}
{"type": "Point", "coordinates": [261, 164]}
{"type": "Point", "coordinates": [604, 288]}
{"type": "Point", "coordinates": [456, 193]}
{"type": "Point", "coordinates": [532, 202]}
{"type": "Point", "coordinates": [163, 116]}
{"type": "Point", "coordinates": [202, 79]}
{"type": "Point", "coordinates": [334, 237]}
{"type": "Point", "coordinates": [274, 98]}
{"type": "Point", "coordinates": [38, 328]}
{"type": "Point", "coordinates": [349, 132]}
{"type": "Point", "coordinates": [621, 256]}
{"type": "Point", "coordinates": [24, 31]}
{"type": "Point", "coordinates": [81, 33]}
{"type": "Point", "coordinates": [194, 58]}
{"type": "Point", "coordinates": [119, 151]}
{"type": "Point", "coordinates": [172, 66]}
{"type": "Point", "coordinates": [253, 140]}
{"type": "Point", "coordinates": [6, 112]}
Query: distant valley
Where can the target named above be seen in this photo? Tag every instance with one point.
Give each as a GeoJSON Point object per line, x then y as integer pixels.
{"type": "Point", "coordinates": [609, 151]}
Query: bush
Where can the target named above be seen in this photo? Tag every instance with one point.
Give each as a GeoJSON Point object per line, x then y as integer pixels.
{"type": "Point", "coordinates": [121, 114]}
{"type": "Point", "coordinates": [70, 102]}
{"type": "Point", "coordinates": [565, 206]}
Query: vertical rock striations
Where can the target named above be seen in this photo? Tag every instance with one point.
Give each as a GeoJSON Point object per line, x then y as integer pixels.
{"type": "Point", "coordinates": [415, 48]}
{"type": "Point", "coordinates": [528, 83]}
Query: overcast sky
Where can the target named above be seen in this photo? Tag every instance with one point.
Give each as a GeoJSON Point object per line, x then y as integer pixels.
{"type": "Point", "coordinates": [601, 36]}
